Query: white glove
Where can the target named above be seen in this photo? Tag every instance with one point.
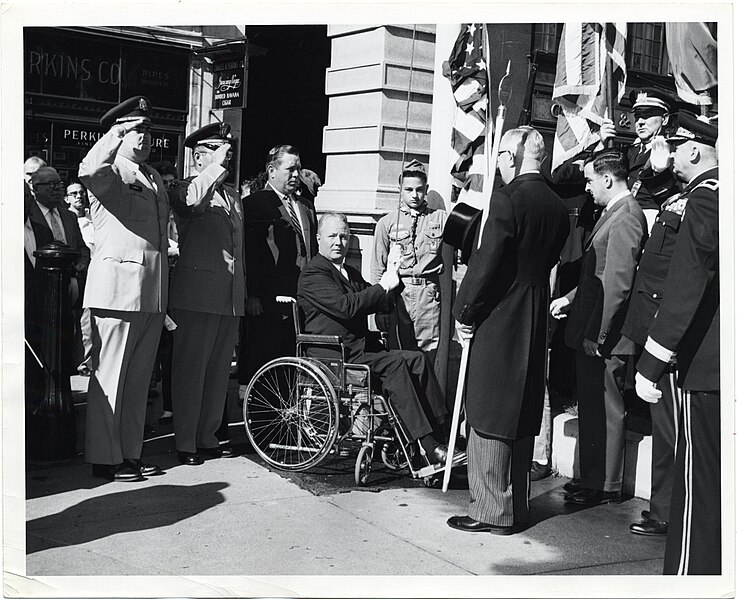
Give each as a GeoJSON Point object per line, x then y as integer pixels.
{"type": "Point", "coordinates": [465, 332]}
{"type": "Point", "coordinates": [660, 154]}
{"type": "Point", "coordinates": [646, 389]}
{"type": "Point", "coordinates": [559, 307]}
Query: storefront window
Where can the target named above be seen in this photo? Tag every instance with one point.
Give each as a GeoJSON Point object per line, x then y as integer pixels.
{"type": "Point", "coordinates": [646, 48]}
{"type": "Point", "coordinates": [546, 37]}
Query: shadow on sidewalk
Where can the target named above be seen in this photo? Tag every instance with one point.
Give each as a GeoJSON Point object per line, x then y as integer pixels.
{"type": "Point", "coordinates": [127, 511]}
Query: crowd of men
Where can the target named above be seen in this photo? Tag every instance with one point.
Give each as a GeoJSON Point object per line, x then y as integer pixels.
{"type": "Point", "coordinates": [644, 312]}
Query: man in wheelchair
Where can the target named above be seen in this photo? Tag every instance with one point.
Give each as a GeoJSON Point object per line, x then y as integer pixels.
{"type": "Point", "coordinates": [336, 300]}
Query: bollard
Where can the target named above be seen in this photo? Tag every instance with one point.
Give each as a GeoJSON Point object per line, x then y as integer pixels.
{"type": "Point", "coordinates": [51, 432]}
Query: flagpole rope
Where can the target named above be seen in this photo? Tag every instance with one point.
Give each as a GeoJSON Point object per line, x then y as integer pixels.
{"type": "Point", "coordinates": [406, 121]}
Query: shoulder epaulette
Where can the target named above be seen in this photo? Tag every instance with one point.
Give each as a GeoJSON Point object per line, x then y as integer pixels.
{"type": "Point", "coordinates": [712, 184]}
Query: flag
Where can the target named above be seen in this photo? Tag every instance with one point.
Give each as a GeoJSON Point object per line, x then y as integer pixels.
{"type": "Point", "coordinates": [466, 70]}
{"type": "Point", "coordinates": [581, 87]}
{"type": "Point", "coordinates": [692, 52]}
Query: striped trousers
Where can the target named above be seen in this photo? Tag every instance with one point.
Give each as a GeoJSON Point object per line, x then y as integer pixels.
{"type": "Point", "coordinates": [694, 527]}
{"type": "Point", "coordinates": [499, 479]}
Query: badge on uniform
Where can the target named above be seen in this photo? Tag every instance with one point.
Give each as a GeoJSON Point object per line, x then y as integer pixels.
{"type": "Point", "coordinates": [135, 187]}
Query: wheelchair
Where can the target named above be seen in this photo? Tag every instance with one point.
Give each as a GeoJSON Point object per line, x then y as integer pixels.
{"type": "Point", "coordinates": [299, 410]}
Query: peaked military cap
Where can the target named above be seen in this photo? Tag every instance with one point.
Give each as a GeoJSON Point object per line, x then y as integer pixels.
{"type": "Point", "coordinates": [649, 97]}
{"type": "Point", "coordinates": [700, 129]}
{"type": "Point", "coordinates": [129, 110]}
{"type": "Point", "coordinates": [214, 133]}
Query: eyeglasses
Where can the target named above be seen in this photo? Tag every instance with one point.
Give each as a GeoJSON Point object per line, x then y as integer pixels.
{"type": "Point", "coordinates": [510, 152]}
{"type": "Point", "coordinates": [55, 184]}
{"type": "Point", "coordinates": [172, 183]}
{"type": "Point", "coordinates": [145, 128]}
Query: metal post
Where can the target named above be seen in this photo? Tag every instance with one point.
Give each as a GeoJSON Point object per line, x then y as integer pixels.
{"type": "Point", "coordinates": [51, 431]}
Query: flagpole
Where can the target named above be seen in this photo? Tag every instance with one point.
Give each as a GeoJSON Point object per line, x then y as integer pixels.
{"type": "Point", "coordinates": [611, 92]}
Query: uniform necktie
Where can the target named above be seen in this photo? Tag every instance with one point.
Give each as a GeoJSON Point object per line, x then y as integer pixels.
{"type": "Point", "coordinates": [296, 226]}
{"type": "Point", "coordinates": [56, 227]}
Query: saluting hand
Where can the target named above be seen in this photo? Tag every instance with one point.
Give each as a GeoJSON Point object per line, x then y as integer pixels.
{"type": "Point", "coordinates": [661, 156]}
{"type": "Point", "coordinates": [220, 156]}
{"type": "Point", "coordinates": [120, 130]}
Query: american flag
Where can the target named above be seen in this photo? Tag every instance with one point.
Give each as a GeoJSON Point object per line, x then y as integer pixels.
{"type": "Point", "coordinates": [692, 51]}
{"type": "Point", "coordinates": [466, 70]}
{"type": "Point", "coordinates": [580, 88]}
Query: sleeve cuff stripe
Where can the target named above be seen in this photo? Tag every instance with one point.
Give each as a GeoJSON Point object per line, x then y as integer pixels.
{"type": "Point", "coordinates": [658, 351]}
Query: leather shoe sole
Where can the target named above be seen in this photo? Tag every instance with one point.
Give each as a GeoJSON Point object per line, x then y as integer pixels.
{"type": "Point", "coordinates": [590, 497]}
{"type": "Point", "coordinates": [650, 528]}
{"type": "Point", "coordinates": [190, 459]}
{"type": "Point", "coordinates": [468, 524]}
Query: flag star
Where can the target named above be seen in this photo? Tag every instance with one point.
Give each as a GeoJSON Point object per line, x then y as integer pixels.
{"type": "Point", "coordinates": [481, 64]}
{"type": "Point", "coordinates": [472, 28]}
{"type": "Point", "coordinates": [469, 48]}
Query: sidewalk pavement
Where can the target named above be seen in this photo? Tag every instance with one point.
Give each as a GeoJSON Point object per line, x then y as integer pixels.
{"type": "Point", "coordinates": [233, 517]}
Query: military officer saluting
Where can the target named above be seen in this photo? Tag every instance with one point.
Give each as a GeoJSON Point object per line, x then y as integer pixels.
{"type": "Point", "coordinates": [208, 295]}
{"type": "Point", "coordinates": [418, 231]}
{"type": "Point", "coordinates": [126, 288]}
{"type": "Point", "coordinates": [686, 327]}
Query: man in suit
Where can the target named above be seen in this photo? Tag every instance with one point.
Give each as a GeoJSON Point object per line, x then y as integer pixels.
{"type": "Point", "coordinates": [597, 309]}
{"type": "Point", "coordinates": [47, 220]}
{"type": "Point", "coordinates": [208, 293]}
{"type": "Point", "coordinates": [337, 301]}
{"type": "Point", "coordinates": [504, 298]}
{"type": "Point", "coordinates": [686, 326]}
{"type": "Point", "coordinates": [280, 240]}
{"type": "Point", "coordinates": [126, 288]}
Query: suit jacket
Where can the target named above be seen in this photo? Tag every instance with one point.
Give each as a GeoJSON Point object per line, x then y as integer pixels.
{"type": "Point", "coordinates": [210, 273]}
{"type": "Point", "coordinates": [334, 305]}
{"type": "Point", "coordinates": [687, 322]}
{"type": "Point", "coordinates": [130, 212]}
{"type": "Point", "coordinates": [506, 293]}
{"type": "Point", "coordinates": [271, 247]}
{"type": "Point", "coordinates": [607, 275]}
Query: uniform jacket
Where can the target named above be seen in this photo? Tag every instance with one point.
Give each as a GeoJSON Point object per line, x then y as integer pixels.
{"type": "Point", "coordinates": [505, 293]}
{"type": "Point", "coordinates": [655, 262]}
{"type": "Point", "coordinates": [271, 247]}
{"type": "Point", "coordinates": [649, 196]}
{"type": "Point", "coordinates": [129, 210]}
{"type": "Point", "coordinates": [607, 275]}
{"type": "Point", "coordinates": [334, 305]}
{"type": "Point", "coordinates": [687, 322]}
{"type": "Point", "coordinates": [210, 273]}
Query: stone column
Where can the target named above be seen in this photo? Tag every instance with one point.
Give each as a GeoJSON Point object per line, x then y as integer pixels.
{"type": "Point", "coordinates": [367, 84]}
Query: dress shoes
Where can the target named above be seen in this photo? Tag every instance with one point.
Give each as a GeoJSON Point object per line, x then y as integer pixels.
{"type": "Point", "coordinates": [540, 471]}
{"type": "Point", "coordinates": [573, 486]}
{"type": "Point", "coordinates": [590, 497]}
{"type": "Point", "coordinates": [144, 469]}
{"type": "Point", "coordinates": [468, 524]}
{"type": "Point", "coordinates": [439, 455]}
{"type": "Point", "coordinates": [650, 528]}
{"type": "Point", "coordinates": [128, 474]}
{"type": "Point", "coordinates": [190, 459]}
{"type": "Point", "coordinates": [221, 451]}
{"type": "Point", "coordinates": [106, 471]}
{"type": "Point", "coordinates": [166, 418]}
{"type": "Point", "coordinates": [645, 514]}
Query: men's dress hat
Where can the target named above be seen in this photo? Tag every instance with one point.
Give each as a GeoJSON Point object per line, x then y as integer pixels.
{"type": "Point", "coordinates": [129, 110]}
{"type": "Point", "coordinates": [214, 133]}
{"type": "Point", "coordinates": [700, 129]}
{"type": "Point", "coordinates": [649, 97]}
{"type": "Point", "coordinates": [413, 165]}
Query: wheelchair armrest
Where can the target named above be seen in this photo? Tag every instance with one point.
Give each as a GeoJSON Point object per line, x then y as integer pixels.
{"type": "Point", "coordinates": [319, 339]}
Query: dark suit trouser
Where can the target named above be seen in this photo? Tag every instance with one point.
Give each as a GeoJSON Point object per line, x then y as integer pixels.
{"type": "Point", "coordinates": [202, 351]}
{"type": "Point", "coordinates": [499, 479]}
{"type": "Point", "coordinates": [600, 383]}
{"type": "Point", "coordinates": [123, 352]}
{"type": "Point", "coordinates": [409, 383]}
{"type": "Point", "coordinates": [264, 338]}
{"type": "Point", "coordinates": [664, 416]}
{"type": "Point", "coordinates": [694, 527]}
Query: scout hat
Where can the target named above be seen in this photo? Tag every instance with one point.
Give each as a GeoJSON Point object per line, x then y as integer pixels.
{"type": "Point", "coordinates": [700, 129]}
{"type": "Point", "coordinates": [413, 166]}
{"type": "Point", "coordinates": [214, 134]}
{"type": "Point", "coordinates": [129, 110]}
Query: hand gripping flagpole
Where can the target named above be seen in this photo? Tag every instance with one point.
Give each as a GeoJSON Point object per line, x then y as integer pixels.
{"type": "Point", "coordinates": [505, 92]}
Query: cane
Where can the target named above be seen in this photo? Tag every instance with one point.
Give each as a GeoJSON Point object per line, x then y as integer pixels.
{"type": "Point", "coordinates": [505, 92]}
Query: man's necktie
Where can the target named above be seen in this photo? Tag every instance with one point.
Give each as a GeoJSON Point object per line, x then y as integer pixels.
{"type": "Point", "coordinates": [296, 226]}
{"type": "Point", "coordinates": [56, 227]}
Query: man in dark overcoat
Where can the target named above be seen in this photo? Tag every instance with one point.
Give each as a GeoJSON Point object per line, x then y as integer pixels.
{"type": "Point", "coordinates": [686, 326]}
{"type": "Point", "coordinates": [505, 296]}
{"type": "Point", "coordinates": [280, 228]}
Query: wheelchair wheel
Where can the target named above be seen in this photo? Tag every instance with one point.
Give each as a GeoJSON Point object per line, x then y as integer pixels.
{"type": "Point", "coordinates": [363, 465]}
{"type": "Point", "coordinates": [291, 413]}
{"type": "Point", "coordinates": [391, 452]}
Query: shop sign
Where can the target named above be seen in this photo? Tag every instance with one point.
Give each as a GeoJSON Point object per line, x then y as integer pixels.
{"type": "Point", "coordinates": [228, 88]}
{"type": "Point", "coordinates": [75, 135]}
